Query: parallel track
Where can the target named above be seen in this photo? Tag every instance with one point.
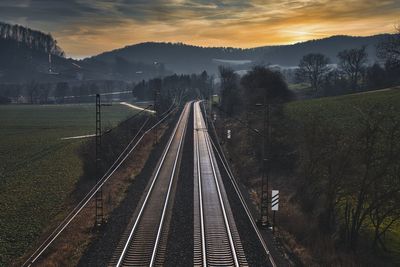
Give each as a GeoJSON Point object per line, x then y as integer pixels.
{"type": "Point", "coordinates": [142, 246]}
{"type": "Point", "coordinates": [34, 258]}
{"type": "Point", "coordinates": [228, 170]}
{"type": "Point", "coordinates": [216, 239]}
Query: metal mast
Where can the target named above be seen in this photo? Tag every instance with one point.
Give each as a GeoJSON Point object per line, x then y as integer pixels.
{"type": "Point", "coordinates": [99, 194]}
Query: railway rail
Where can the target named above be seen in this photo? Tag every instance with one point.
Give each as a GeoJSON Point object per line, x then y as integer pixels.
{"type": "Point", "coordinates": [35, 256]}
{"type": "Point", "coordinates": [218, 150]}
{"type": "Point", "coordinates": [142, 244]}
{"type": "Point", "coordinates": [216, 238]}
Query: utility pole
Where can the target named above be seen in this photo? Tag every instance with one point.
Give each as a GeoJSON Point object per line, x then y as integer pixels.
{"type": "Point", "coordinates": [156, 107]}
{"type": "Point", "coordinates": [267, 161]}
{"type": "Point", "coordinates": [99, 220]}
{"type": "Point", "coordinates": [266, 148]}
{"type": "Point", "coordinates": [50, 68]}
{"type": "Point", "coordinates": [99, 194]}
{"type": "Point", "coordinates": [210, 92]}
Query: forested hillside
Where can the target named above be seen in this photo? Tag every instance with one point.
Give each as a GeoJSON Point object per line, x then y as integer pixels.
{"type": "Point", "coordinates": [25, 56]}
{"type": "Point", "coordinates": [182, 58]}
{"type": "Point", "coordinates": [30, 38]}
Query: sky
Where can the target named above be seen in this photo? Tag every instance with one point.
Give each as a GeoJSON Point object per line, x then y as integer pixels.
{"type": "Point", "coordinates": [85, 28]}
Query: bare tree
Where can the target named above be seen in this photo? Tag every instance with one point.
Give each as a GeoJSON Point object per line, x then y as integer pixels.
{"type": "Point", "coordinates": [349, 178]}
{"type": "Point", "coordinates": [229, 89]}
{"type": "Point", "coordinates": [61, 91]}
{"type": "Point", "coordinates": [32, 89]}
{"type": "Point", "coordinates": [385, 192]}
{"type": "Point", "coordinates": [44, 92]}
{"type": "Point", "coordinates": [352, 62]}
{"type": "Point", "coordinates": [373, 188]}
{"type": "Point", "coordinates": [31, 38]}
{"type": "Point", "coordinates": [313, 68]}
{"type": "Point", "coordinates": [389, 50]}
{"type": "Point", "coordinates": [109, 88]}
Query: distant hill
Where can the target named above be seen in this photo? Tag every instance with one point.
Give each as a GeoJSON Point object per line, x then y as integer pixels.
{"type": "Point", "coordinates": [178, 57]}
{"type": "Point", "coordinates": [30, 39]}
{"type": "Point", "coordinates": [182, 58]}
{"type": "Point", "coordinates": [24, 56]}
{"type": "Point", "coordinates": [27, 55]}
{"type": "Point", "coordinates": [290, 55]}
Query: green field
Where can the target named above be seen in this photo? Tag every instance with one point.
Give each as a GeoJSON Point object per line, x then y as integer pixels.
{"type": "Point", "coordinates": [38, 170]}
{"type": "Point", "coordinates": [344, 112]}
{"type": "Point", "coordinates": [343, 109]}
{"type": "Point", "coordinates": [300, 87]}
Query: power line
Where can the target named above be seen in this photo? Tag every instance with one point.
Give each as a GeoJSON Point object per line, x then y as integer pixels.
{"type": "Point", "coordinates": [78, 208]}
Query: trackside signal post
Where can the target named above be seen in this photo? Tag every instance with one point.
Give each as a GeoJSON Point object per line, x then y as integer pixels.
{"type": "Point", "coordinates": [156, 108]}
{"type": "Point", "coordinates": [274, 206]}
{"type": "Point", "coordinates": [263, 220]}
{"type": "Point", "coordinates": [266, 154]}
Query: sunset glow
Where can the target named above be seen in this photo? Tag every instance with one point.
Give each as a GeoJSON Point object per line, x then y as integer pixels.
{"type": "Point", "coordinates": [85, 28]}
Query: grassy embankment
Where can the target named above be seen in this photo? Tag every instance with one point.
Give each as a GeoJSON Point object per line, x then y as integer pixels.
{"type": "Point", "coordinates": [244, 151]}
{"type": "Point", "coordinates": [38, 170]}
{"type": "Point", "coordinates": [344, 112]}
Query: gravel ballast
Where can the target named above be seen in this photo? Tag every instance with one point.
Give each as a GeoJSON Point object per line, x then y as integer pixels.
{"type": "Point", "coordinates": [180, 241]}
{"type": "Point", "coordinates": [101, 248]}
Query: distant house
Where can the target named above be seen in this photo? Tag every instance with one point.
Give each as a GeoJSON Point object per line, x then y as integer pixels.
{"type": "Point", "coordinates": [21, 100]}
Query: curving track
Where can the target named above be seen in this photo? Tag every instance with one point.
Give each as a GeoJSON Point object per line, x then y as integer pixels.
{"type": "Point", "coordinates": [143, 244]}
{"type": "Point", "coordinates": [216, 239]}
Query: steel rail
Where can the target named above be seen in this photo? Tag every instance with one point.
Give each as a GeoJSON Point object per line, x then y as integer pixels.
{"type": "Point", "coordinates": [168, 193]}
{"type": "Point", "coordinates": [78, 208]}
{"type": "Point", "coordinates": [228, 227]}
{"type": "Point", "coordinates": [203, 238]}
{"type": "Point", "coordinates": [221, 201]}
{"type": "Point", "coordinates": [241, 198]}
{"type": "Point", "coordinates": [124, 251]}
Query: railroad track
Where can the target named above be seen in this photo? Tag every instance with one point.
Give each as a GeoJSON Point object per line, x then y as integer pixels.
{"type": "Point", "coordinates": [143, 244]}
{"type": "Point", "coordinates": [225, 165]}
{"type": "Point", "coordinates": [216, 238]}
{"type": "Point", "coordinates": [36, 255]}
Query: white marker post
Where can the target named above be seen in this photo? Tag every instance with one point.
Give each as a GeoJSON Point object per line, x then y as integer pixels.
{"type": "Point", "coordinates": [274, 207]}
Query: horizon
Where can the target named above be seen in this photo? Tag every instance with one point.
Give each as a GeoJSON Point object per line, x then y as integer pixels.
{"type": "Point", "coordinates": [233, 47]}
{"type": "Point", "coordinates": [88, 28]}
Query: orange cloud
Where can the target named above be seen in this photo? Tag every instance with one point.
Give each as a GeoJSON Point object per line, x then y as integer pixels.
{"type": "Point", "coordinates": [229, 23]}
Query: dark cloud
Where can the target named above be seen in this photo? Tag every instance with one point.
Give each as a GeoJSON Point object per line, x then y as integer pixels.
{"type": "Point", "coordinates": [79, 24]}
{"type": "Point", "coordinates": [46, 10]}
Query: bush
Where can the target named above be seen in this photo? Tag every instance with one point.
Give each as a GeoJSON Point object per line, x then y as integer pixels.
{"type": "Point", "coordinates": [4, 100]}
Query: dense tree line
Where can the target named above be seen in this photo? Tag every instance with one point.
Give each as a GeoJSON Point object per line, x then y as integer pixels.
{"type": "Point", "coordinates": [346, 175]}
{"type": "Point", "coordinates": [246, 100]}
{"type": "Point", "coordinates": [352, 72]}
{"type": "Point", "coordinates": [170, 87]}
{"type": "Point", "coordinates": [35, 92]}
{"type": "Point", "coordinates": [260, 85]}
{"type": "Point", "coordinates": [349, 176]}
{"type": "Point", "coordinates": [182, 58]}
{"type": "Point", "coordinates": [164, 89]}
{"type": "Point", "coordinates": [31, 38]}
